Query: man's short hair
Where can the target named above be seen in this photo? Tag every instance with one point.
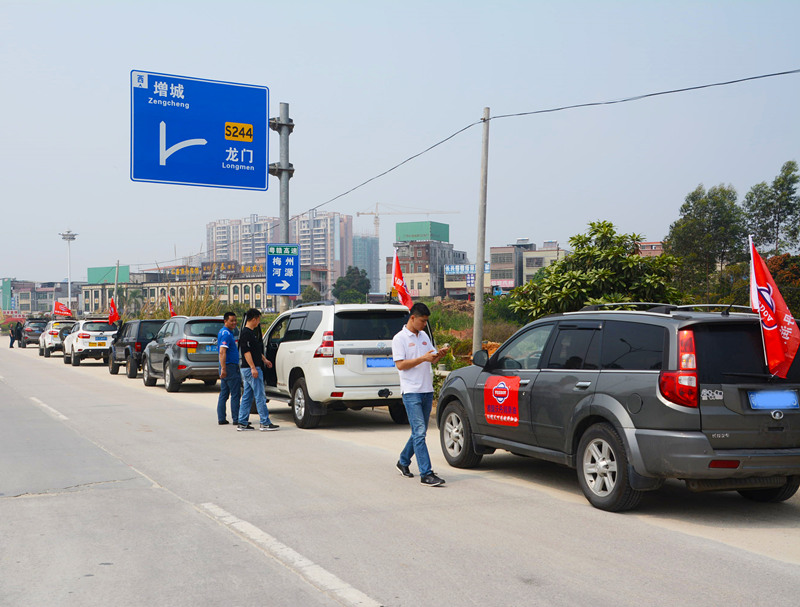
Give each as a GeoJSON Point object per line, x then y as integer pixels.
{"type": "Point", "coordinates": [227, 315]}
{"type": "Point", "coordinates": [251, 314]}
{"type": "Point", "coordinates": [420, 309]}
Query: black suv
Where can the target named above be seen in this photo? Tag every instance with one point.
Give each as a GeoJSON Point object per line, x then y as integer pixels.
{"type": "Point", "coordinates": [630, 398]}
{"type": "Point", "coordinates": [129, 343]}
{"type": "Point", "coordinates": [31, 331]}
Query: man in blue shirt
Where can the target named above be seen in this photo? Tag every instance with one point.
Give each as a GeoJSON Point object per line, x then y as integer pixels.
{"type": "Point", "coordinates": [230, 377]}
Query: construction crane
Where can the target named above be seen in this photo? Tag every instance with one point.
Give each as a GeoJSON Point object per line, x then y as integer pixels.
{"type": "Point", "coordinates": [378, 212]}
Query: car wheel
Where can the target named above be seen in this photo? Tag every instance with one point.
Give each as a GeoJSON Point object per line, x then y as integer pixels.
{"type": "Point", "coordinates": [47, 352]}
{"type": "Point", "coordinates": [130, 367]}
{"type": "Point", "coordinates": [75, 359]}
{"type": "Point", "coordinates": [398, 413]}
{"type": "Point", "coordinates": [455, 435]}
{"type": "Point", "coordinates": [147, 376]}
{"type": "Point", "coordinates": [66, 358]}
{"type": "Point", "coordinates": [41, 351]}
{"type": "Point", "coordinates": [113, 367]}
{"type": "Point", "coordinates": [603, 470]}
{"type": "Point", "coordinates": [301, 406]}
{"type": "Point", "coordinates": [775, 494]}
{"type": "Point", "coordinates": [170, 383]}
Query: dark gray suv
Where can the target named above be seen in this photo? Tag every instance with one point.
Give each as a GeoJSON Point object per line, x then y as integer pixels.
{"type": "Point", "coordinates": [184, 348]}
{"type": "Point", "coordinates": [631, 398]}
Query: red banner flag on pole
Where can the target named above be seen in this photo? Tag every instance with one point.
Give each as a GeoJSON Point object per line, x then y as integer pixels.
{"type": "Point", "coordinates": [113, 316]}
{"type": "Point", "coordinates": [60, 309]}
{"type": "Point", "coordinates": [778, 327]}
{"type": "Point", "coordinates": [399, 284]}
{"type": "Point", "coordinates": [169, 303]}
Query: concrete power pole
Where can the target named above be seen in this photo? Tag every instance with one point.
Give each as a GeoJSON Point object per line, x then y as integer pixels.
{"type": "Point", "coordinates": [284, 170]}
{"type": "Point", "coordinates": [477, 327]}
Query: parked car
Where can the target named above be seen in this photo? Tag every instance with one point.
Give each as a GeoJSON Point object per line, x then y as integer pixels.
{"type": "Point", "coordinates": [129, 343]}
{"type": "Point", "coordinates": [631, 398]}
{"type": "Point", "coordinates": [50, 339]}
{"type": "Point", "coordinates": [31, 331]}
{"type": "Point", "coordinates": [333, 357]}
{"type": "Point", "coordinates": [184, 348]}
{"type": "Point", "coordinates": [89, 338]}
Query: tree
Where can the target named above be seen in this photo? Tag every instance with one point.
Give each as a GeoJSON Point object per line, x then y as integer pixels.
{"type": "Point", "coordinates": [709, 235]}
{"type": "Point", "coordinates": [310, 294]}
{"type": "Point", "coordinates": [354, 280]}
{"type": "Point", "coordinates": [773, 212]}
{"type": "Point", "coordinates": [604, 267]}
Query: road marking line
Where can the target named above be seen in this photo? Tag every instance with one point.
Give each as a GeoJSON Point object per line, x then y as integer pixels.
{"type": "Point", "coordinates": [305, 568]}
{"type": "Point", "coordinates": [49, 409]}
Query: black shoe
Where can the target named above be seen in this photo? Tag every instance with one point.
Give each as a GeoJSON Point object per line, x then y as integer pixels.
{"type": "Point", "coordinates": [224, 422]}
{"type": "Point", "coordinates": [403, 470]}
{"type": "Point", "coordinates": [268, 427]}
{"type": "Point", "coordinates": [243, 427]}
{"type": "Point", "coordinates": [431, 480]}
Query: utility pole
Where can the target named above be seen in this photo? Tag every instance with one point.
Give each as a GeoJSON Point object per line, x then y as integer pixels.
{"type": "Point", "coordinates": [116, 281]}
{"type": "Point", "coordinates": [284, 170]}
{"type": "Point", "coordinates": [477, 326]}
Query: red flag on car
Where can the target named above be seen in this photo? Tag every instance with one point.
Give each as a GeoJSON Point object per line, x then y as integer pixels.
{"type": "Point", "coordinates": [60, 309]}
{"type": "Point", "coordinates": [113, 316]}
{"type": "Point", "coordinates": [778, 327]}
{"type": "Point", "coordinates": [399, 284]}
{"type": "Point", "coordinates": [169, 303]}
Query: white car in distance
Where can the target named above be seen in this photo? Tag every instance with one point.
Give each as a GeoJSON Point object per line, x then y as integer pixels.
{"type": "Point", "coordinates": [90, 338]}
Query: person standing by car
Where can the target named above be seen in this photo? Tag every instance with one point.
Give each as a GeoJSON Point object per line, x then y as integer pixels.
{"type": "Point", "coordinates": [230, 378]}
{"type": "Point", "coordinates": [17, 334]}
{"type": "Point", "coordinates": [12, 332]}
{"type": "Point", "coordinates": [251, 346]}
{"type": "Point", "coordinates": [413, 354]}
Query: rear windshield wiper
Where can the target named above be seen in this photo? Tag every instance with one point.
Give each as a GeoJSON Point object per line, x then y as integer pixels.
{"type": "Point", "coordinates": [753, 375]}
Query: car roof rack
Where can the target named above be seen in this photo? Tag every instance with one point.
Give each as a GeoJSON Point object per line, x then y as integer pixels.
{"type": "Point", "coordinates": [324, 302]}
{"type": "Point", "coordinates": [649, 306]}
{"type": "Point", "coordinates": [726, 308]}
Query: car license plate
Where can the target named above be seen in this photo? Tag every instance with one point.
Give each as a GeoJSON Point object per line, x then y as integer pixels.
{"type": "Point", "coordinates": [380, 362]}
{"type": "Point", "coordinates": [773, 399]}
{"type": "Point", "coordinates": [212, 348]}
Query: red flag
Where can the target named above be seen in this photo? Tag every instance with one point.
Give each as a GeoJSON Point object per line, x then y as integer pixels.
{"type": "Point", "coordinates": [399, 284]}
{"type": "Point", "coordinates": [113, 316]}
{"type": "Point", "coordinates": [60, 309]}
{"type": "Point", "coordinates": [169, 302]}
{"type": "Point", "coordinates": [781, 335]}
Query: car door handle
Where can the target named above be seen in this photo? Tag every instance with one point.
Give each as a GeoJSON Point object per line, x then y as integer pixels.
{"type": "Point", "coordinates": [524, 382]}
{"type": "Point", "coordinates": [582, 385]}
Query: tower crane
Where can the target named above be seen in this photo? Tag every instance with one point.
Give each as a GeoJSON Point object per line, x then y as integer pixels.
{"type": "Point", "coordinates": [378, 212]}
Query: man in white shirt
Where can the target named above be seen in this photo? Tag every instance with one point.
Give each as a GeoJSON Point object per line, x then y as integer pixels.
{"type": "Point", "coordinates": [413, 354]}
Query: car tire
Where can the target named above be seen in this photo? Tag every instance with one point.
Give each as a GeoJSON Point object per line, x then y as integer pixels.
{"type": "Point", "coordinates": [170, 383]}
{"type": "Point", "coordinates": [113, 367]}
{"type": "Point", "coordinates": [147, 376]}
{"type": "Point", "coordinates": [41, 351]}
{"type": "Point", "coordinates": [301, 406]}
{"type": "Point", "coordinates": [455, 435]}
{"type": "Point", "coordinates": [603, 474]}
{"type": "Point", "coordinates": [775, 494]}
{"type": "Point", "coordinates": [130, 367]}
{"type": "Point", "coordinates": [47, 352]}
{"type": "Point", "coordinates": [398, 413]}
{"type": "Point", "coordinates": [66, 358]}
{"type": "Point", "coordinates": [75, 359]}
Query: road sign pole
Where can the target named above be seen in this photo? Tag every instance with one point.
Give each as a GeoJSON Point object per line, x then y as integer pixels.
{"type": "Point", "coordinates": [477, 326]}
{"type": "Point", "coordinates": [284, 171]}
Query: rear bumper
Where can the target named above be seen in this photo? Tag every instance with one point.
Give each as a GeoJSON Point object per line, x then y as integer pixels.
{"type": "Point", "coordinates": [196, 371]}
{"type": "Point", "coordinates": [687, 455]}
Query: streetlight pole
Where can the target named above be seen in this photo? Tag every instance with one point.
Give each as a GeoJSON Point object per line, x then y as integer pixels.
{"type": "Point", "coordinates": [69, 236]}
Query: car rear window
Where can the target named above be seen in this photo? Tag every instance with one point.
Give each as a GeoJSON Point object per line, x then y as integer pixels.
{"type": "Point", "coordinates": [203, 328]}
{"type": "Point", "coordinates": [368, 324]}
{"type": "Point", "coordinates": [149, 328]}
{"type": "Point", "coordinates": [40, 325]}
{"type": "Point", "coordinates": [633, 346]}
{"type": "Point", "coordinates": [61, 325]}
{"type": "Point", "coordinates": [99, 326]}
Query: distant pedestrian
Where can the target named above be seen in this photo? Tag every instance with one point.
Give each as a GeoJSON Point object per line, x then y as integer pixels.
{"type": "Point", "coordinates": [18, 333]}
{"type": "Point", "coordinates": [230, 378]}
{"type": "Point", "coordinates": [251, 346]}
{"type": "Point", "coordinates": [413, 353]}
{"type": "Point", "coordinates": [12, 334]}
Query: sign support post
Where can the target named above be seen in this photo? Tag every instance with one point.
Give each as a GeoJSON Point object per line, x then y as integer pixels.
{"type": "Point", "coordinates": [284, 170]}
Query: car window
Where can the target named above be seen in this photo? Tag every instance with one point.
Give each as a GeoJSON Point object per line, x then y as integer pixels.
{"type": "Point", "coordinates": [163, 332]}
{"type": "Point", "coordinates": [525, 351]}
{"type": "Point", "coordinates": [573, 349]}
{"type": "Point", "coordinates": [278, 331]}
{"type": "Point", "coordinates": [148, 329]}
{"type": "Point", "coordinates": [731, 353]}
{"type": "Point", "coordinates": [203, 328]}
{"type": "Point", "coordinates": [368, 324]}
{"type": "Point", "coordinates": [312, 322]}
{"type": "Point", "coordinates": [294, 330]}
{"type": "Point", "coordinates": [99, 326]}
{"type": "Point", "coordinates": [633, 346]}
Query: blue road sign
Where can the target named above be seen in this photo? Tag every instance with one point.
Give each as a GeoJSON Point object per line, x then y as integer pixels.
{"type": "Point", "coordinates": [283, 269]}
{"type": "Point", "coordinates": [191, 131]}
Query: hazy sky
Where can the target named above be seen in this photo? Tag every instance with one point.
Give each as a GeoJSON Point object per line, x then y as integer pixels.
{"type": "Point", "coordinates": [371, 83]}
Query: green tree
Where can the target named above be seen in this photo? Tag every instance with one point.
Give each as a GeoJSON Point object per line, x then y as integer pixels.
{"type": "Point", "coordinates": [709, 235]}
{"type": "Point", "coordinates": [354, 280]}
{"type": "Point", "coordinates": [310, 294]}
{"type": "Point", "coordinates": [604, 267]}
{"type": "Point", "coordinates": [773, 212]}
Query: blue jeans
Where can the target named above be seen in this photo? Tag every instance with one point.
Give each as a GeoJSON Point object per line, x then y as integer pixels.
{"type": "Point", "coordinates": [418, 407]}
{"type": "Point", "coordinates": [231, 385]}
{"type": "Point", "coordinates": [253, 386]}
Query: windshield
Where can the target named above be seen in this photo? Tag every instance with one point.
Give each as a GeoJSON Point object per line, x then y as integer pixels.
{"type": "Point", "coordinates": [368, 325]}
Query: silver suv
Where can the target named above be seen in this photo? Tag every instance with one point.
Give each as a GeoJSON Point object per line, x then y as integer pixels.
{"type": "Point", "coordinates": [333, 357]}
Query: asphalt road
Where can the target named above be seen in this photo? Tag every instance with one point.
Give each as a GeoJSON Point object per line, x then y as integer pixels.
{"type": "Point", "coordinates": [112, 493]}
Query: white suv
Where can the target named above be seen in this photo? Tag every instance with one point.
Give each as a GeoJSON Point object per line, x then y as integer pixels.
{"type": "Point", "coordinates": [50, 339]}
{"type": "Point", "coordinates": [90, 338]}
{"type": "Point", "coordinates": [335, 356]}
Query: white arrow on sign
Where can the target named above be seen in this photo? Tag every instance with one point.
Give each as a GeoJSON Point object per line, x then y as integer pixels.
{"type": "Point", "coordinates": [164, 153]}
{"type": "Point", "coordinates": [284, 284]}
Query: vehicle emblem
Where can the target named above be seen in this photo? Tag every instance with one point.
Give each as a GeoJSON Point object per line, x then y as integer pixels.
{"type": "Point", "coordinates": [381, 344]}
{"type": "Point", "coordinates": [777, 415]}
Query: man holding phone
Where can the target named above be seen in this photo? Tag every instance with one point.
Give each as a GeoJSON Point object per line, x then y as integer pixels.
{"type": "Point", "coordinates": [414, 354]}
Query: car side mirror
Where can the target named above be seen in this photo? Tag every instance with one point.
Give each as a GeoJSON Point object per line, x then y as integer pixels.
{"type": "Point", "coordinates": [480, 358]}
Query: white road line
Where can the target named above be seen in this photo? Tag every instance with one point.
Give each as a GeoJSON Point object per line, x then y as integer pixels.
{"type": "Point", "coordinates": [49, 409]}
{"type": "Point", "coordinates": [308, 570]}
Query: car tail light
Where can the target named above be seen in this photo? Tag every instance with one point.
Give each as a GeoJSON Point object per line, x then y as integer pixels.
{"type": "Point", "coordinates": [53, 332]}
{"type": "Point", "coordinates": [723, 463]}
{"type": "Point", "coordinates": [137, 346]}
{"type": "Point", "coordinates": [680, 387]}
{"type": "Point", "coordinates": [28, 329]}
{"type": "Point", "coordinates": [187, 343]}
{"type": "Point", "coordinates": [181, 367]}
{"type": "Point", "coordinates": [83, 336]}
{"type": "Point", "coordinates": [337, 394]}
{"type": "Point", "coordinates": [326, 348]}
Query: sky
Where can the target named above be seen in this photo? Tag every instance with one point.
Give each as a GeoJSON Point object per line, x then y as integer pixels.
{"type": "Point", "coordinates": [370, 84]}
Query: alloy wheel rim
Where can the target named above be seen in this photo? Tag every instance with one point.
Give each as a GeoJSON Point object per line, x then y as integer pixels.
{"type": "Point", "coordinates": [299, 403]}
{"type": "Point", "coordinates": [600, 467]}
{"type": "Point", "coordinates": [454, 434]}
